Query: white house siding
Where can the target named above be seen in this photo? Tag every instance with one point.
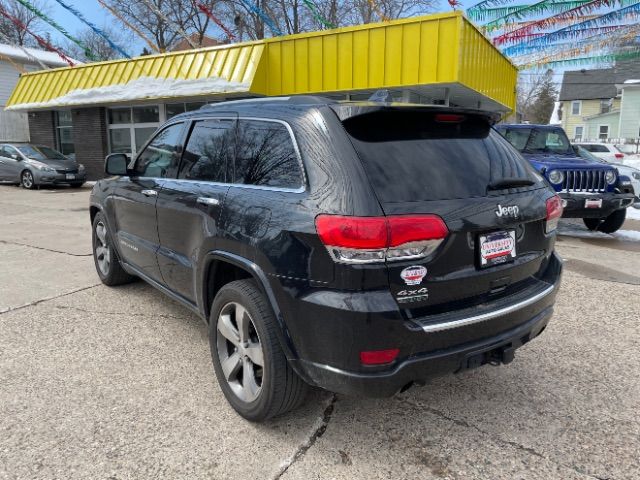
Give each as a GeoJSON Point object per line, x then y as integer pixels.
{"type": "Point", "coordinates": [630, 113]}
{"type": "Point", "coordinates": [14, 127]}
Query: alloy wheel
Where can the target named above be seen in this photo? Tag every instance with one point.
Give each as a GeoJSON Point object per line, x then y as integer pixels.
{"type": "Point", "coordinates": [102, 249]}
{"type": "Point", "coordinates": [240, 352]}
{"type": "Point", "coordinates": [27, 179]}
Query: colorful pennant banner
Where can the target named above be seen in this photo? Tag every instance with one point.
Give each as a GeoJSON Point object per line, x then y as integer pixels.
{"type": "Point", "coordinates": [214, 19]}
{"type": "Point", "coordinates": [24, 50]}
{"type": "Point", "coordinates": [494, 13]}
{"type": "Point", "coordinates": [316, 14]}
{"type": "Point", "coordinates": [54, 24]}
{"type": "Point", "coordinates": [264, 17]}
{"type": "Point", "coordinates": [574, 62]}
{"type": "Point", "coordinates": [552, 21]}
{"type": "Point", "coordinates": [133, 28]}
{"type": "Point", "coordinates": [484, 4]}
{"type": "Point", "coordinates": [631, 12]}
{"type": "Point", "coordinates": [41, 41]}
{"type": "Point", "coordinates": [93, 27]}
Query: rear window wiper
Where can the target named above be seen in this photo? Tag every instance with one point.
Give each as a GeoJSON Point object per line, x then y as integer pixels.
{"type": "Point", "coordinates": [512, 182]}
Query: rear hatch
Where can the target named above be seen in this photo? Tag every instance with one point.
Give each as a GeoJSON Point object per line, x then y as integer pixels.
{"type": "Point", "coordinates": [424, 163]}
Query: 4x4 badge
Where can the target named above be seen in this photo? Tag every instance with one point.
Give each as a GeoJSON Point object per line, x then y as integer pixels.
{"type": "Point", "coordinates": [511, 211]}
{"type": "Point", "coordinates": [413, 275]}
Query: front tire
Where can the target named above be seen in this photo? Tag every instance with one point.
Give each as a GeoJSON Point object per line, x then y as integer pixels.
{"type": "Point", "coordinates": [105, 256]}
{"type": "Point", "coordinates": [252, 370]}
{"type": "Point", "coordinates": [609, 224]}
{"type": "Point", "coordinates": [27, 180]}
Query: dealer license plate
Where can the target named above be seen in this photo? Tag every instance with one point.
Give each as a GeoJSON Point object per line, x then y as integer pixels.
{"type": "Point", "coordinates": [497, 248]}
{"type": "Point", "coordinates": [593, 203]}
{"type": "Point", "coordinates": [71, 176]}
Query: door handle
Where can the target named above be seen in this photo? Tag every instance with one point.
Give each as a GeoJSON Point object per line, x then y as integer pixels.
{"type": "Point", "coordinates": [149, 193]}
{"type": "Point", "coordinates": [208, 201]}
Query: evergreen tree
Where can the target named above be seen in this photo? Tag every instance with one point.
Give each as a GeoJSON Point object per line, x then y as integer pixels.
{"type": "Point", "coordinates": [545, 98]}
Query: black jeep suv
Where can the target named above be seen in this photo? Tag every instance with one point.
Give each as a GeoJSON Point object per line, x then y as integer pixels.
{"type": "Point", "coordinates": [359, 247]}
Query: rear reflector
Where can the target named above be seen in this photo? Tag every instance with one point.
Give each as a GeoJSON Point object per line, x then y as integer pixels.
{"type": "Point", "coordinates": [376, 239]}
{"type": "Point", "coordinates": [379, 357]}
{"type": "Point", "coordinates": [554, 212]}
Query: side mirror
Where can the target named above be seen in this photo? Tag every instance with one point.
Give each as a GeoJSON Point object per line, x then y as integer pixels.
{"type": "Point", "coordinates": [15, 156]}
{"type": "Point", "coordinates": [116, 164]}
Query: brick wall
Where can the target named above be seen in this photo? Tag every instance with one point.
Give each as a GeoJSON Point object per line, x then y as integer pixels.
{"type": "Point", "coordinates": [90, 139]}
{"type": "Point", "coordinates": [42, 128]}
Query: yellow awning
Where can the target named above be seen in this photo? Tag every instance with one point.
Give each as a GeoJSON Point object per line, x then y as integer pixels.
{"type": "Point", "coordinates": [428, 55]}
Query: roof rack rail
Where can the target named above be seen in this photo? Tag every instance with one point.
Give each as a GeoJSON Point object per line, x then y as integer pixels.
{"type": "Point", "coordinates": [293, 100]}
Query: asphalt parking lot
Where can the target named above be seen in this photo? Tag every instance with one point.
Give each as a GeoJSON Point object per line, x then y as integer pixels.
{"type": "Point", "coordinates": [99, 382]}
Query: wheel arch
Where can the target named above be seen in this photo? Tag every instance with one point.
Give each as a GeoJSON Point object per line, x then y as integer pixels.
{"type": "Point", "coordinates": [222, 267]}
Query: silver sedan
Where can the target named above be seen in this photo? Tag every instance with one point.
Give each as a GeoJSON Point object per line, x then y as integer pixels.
{"type": "Point", "coordinates": [36, 165]}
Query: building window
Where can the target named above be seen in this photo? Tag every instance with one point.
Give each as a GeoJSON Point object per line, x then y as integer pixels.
{"type": "Point", "coordinates": [577, 133]}
{"type": "Point", "coordinates": [603, 132]}
{"type": "Point", "coordinates": [174, 109]}
{"type": "Point", "coordinates": [64, 132]}
{"type": "Point", "coordinates": [131, 127]}
{"type": "Point", "coordinates": [606, 105]}
{"type": "Point", "coordinates": [576, 106]}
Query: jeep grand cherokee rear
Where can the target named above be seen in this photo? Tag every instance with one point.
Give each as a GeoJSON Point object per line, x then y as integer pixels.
{"type": "Point", "coordinates": [357, 247]}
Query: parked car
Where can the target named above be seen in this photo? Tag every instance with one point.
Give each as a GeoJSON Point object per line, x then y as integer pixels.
{"type": "Point", "coordinates": [631, 151]}
{"type": "Point", "coordinates": [33, 166]}
{"type": "Point", "coordinates": [632, 173]}
{"type": "Point", "coordinates": [357, 247]}
{"type": "Point", "coordinates": [605, 151]}
{"type": "Point", "coordinates": [590, 190]}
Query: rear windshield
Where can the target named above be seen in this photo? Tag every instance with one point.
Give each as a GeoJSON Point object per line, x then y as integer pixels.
{"type": "Point", "coordinates": [414, 155]}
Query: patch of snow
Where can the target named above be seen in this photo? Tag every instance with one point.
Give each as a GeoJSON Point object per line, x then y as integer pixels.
{"type": "Point", "coordinates": [571, 230]}
{"type": "Point", "coordinates": [632, 81]}
{"type": "Point", "coordinates": [139, 89]}
{"type": "Point", "coordinates": [633, 213]}
{"type": "Point", "coordinates": [18, 54]}
{"type": "Point", "coordinates": [555, 118]}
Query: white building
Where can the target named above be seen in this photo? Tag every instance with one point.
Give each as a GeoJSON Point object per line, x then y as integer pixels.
{"type": "Point", "coordinates": [14, 126]}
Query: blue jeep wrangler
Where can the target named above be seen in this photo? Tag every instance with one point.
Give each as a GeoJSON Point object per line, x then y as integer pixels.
{"type": "Point", "coordinates": [590, 190]}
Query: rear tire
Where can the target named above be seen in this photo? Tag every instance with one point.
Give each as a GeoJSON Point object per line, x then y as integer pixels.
{"type": "Point", "coordinates": [609, 224]}
{"type": "Point", "coordinates": [105, 255]}
{"type": "Point", "coordinates": [257, 392]}
{"type": "Point", "coordinates": [27, 180]}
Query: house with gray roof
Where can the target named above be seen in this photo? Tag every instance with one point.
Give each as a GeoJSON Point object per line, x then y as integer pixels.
{"type": "Point", "coordinates": [602, 104]}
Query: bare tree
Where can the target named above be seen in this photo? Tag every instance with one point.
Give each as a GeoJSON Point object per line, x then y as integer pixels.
{"type": "Point", "coordinates": [98, 46]}
{"type": "Point", "coordinates": [27, 18]}
{"type": "Point", "coordinates": [535, 96]}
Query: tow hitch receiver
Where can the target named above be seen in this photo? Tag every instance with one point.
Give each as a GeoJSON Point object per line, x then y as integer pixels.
{"type": "Point", "coordinates": [504, 354]}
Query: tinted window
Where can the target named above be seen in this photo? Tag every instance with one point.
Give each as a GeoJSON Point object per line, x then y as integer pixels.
{"type": "Point", "coordinates": [40, 152]}
{"type": "Point", "coordinates": [412, 155]}
{"type": "Point", "coordinates": [537, 140]}
{"type": "Point", "coordinates": [266, 155]}
{"type": "Point", "coordinates": [209, 151]}
{"type": "Point", "coordinates": [596, 148]}
{"type": "Point", "coordinates": [160, 158]}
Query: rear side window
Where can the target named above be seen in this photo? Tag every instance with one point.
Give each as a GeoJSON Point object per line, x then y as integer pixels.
{"type": "Point", "coordinates": [161, 156]}
{"type": "Point", "coordinates": [413, 155]}
{"type": "Point", "coordinates": [266, 155]}
{"type": "Point", "coordinates": [208, 155]}
{"type": "Point", "coordinates": [597, 148]}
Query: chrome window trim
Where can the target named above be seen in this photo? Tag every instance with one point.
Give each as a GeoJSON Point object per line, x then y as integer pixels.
{"type": "Point", "coordinates": [437, 327]}
{"type": "Point", "coordinates": [191, 120]}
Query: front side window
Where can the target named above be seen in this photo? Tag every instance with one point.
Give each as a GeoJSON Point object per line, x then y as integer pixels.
{"type": "Point", "coordinates": [575, 107]}
{"type": "Point", "coordinates": [161, 156]}
{"type": "Point", "coordinates": [266, 155]}
{"type": "Point", "coordinates": [208, 155]}
{"type": "Point", "coordinates": [603, 132]}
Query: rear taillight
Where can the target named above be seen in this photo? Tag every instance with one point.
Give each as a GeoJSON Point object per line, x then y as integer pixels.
{"type": "Point", "coordinates": [619, 155]}
{"type": "Point", "coordinates": [554, 212]}
{"type": "Point", "coordinates": [376, 239]}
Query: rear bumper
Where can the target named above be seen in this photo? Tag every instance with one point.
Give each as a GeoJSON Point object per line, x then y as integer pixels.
{"type": "Point", "coordinates": [497, 349]}
{"type": "Point", "coordinates": [575, 204]}
{"type": "Point", "coordinates": [329, 336]}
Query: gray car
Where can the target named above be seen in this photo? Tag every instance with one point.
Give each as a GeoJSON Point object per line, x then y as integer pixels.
{"type": "Point", "coordinates": [36, 165]}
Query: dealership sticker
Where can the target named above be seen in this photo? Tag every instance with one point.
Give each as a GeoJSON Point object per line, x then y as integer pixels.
{"type": "Point", "coordinates": [413, 275]}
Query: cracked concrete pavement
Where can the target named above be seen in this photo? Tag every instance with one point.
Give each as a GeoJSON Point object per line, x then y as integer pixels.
{"type": "Point", "coordinates": [99, 382]}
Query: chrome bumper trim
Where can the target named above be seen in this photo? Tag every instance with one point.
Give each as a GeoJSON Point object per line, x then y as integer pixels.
{"type": "Point", "coordinates": [437, 327]}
